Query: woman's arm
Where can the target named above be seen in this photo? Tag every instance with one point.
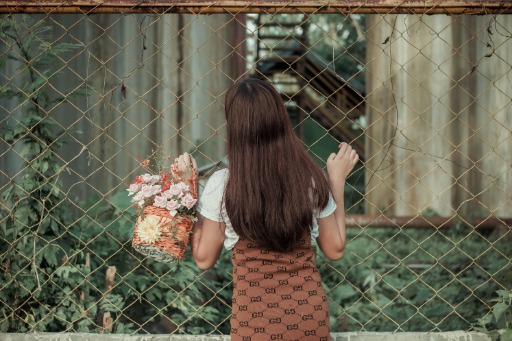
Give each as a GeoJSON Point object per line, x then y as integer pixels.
{"type": "Point", "coordinates": [332, 234]}
{"type": "Point", "coordinates": [207, 240]}
{"type": "Point", "coordinates": [207, 236]}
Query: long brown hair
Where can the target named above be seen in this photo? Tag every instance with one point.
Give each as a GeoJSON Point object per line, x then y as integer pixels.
{"type": "Point", "coordinates": [273, 184]}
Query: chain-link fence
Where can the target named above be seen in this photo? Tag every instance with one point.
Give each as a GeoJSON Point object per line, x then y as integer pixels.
{"type": "Point", "coordinates": [85, 97]}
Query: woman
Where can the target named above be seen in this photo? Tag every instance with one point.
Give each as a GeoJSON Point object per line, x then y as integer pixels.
{"type": "Point", "coordinates": [270, 206]}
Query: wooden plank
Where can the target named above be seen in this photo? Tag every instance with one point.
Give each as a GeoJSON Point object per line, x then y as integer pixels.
{"type": "Point", "coordinates": [455, 7]}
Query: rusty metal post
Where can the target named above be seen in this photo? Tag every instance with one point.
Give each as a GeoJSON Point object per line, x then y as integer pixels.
{"type": "Point", "coordinates": [450, 7]}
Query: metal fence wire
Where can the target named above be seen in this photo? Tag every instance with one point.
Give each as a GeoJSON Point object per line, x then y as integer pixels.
{"type": "Point", "coordinates": [86, 96]}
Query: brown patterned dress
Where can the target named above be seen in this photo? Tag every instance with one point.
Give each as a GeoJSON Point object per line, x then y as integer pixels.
{"type": "Point", "coordinates": [277, 296]}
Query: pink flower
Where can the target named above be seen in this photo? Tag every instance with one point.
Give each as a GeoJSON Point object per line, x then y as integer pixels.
{"type": "Point", "coordinates": [188, 201]}
{"type": "Point", "coordinates": [134, 188]}
{"type": "Point", "coordinates": [184, 187]}
{"type": "Point", "coordinates": [147, 191]}
{"type": "Point", "coordinates": [156, 189]}
{"type": "Point", "coordinates": [167, 194]}
{"type": "Point", "coordinates": [172, 205]}
{"type": "Point", "coordinates": [160, 201]}
{"type": "Point", "coordinates": [174, 190]}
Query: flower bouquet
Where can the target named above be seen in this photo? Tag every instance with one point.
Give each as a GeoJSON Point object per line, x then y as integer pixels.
{"type": "Point", "coordinates": [166, 213]}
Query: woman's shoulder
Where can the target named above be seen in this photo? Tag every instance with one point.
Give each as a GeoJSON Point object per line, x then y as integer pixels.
{"type": "Point", "coordinates": [219, 176]}
{"type": "Point", "coordinates": [217, 180]}
{"type": "Point", "coordinates": [220, 173]}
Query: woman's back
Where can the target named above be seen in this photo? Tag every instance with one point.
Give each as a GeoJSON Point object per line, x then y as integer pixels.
{"type": "Point", "coordinates": [272, 198]}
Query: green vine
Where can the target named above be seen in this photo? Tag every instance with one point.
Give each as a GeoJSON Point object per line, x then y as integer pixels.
{"type": "Point", "coordinates": [38, 256]}
{"type": "Point", "coordinates": [498, 323]}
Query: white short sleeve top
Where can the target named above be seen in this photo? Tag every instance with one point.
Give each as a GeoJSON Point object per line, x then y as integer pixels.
{"type": "Point", "coordinates": [212, 206]}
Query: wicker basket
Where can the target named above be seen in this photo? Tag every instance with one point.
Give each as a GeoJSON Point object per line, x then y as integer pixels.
{"type": "Point", "coordinates": [174, 232]}
{"type": "Point", "coordinates": [171, 245]}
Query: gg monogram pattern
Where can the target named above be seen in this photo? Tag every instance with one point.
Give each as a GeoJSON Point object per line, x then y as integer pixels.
{"type": "Point", "coordinates": [277, 296]}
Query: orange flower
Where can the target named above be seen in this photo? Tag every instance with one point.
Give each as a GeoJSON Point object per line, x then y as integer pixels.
{"type": "Point", "coordinates": [145, 163]}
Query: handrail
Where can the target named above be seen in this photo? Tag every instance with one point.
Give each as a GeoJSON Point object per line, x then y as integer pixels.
{"type": "Point", "coordinates": [331, 123]}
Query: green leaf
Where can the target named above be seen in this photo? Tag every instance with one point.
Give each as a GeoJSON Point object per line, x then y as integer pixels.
{"type": "Point", "coordinates": [25, 151]}
{"type": "Point", "coordinates": [92, 308]}
{"type": "Point", "coordinates": [60, 314]}
{"type": "Point", "coordinates": [21, 215]}
{"type": "Point", "coordinates": [64, 272]}
{"type": "Point", "coordinates": [480, 329]}
{"type": "Point", "coordinates": [437, 310]}
{"type": "Point", "coordinates": [342, 292]}
{"type": "Point", "coordinates": [499, 309]}
{"type": "Point", "coordinates": [112, 303]}
{"type": "Point", "coordinates": [44, 167]}
{"type": "Point", "coordinates": [84, 325]}
{"type": "Point", "coordinates": [505, 294]}
{"type": "Point", "coordinates": [121, 201]}
{"type": "Point", "coordinates": [507, 336]}
{"type": "Point", "coordinates": [33, 215]}
{"type": "Point", "coordinates": [50, 254]}
{"type": "Point", "coordinates": [44, 224]}
{"type": "Point", "coordinates": [7, 92]}
{"type": "Point", "coordinates": [56, 191]}
{"type": "Point", "coordinates": [29, 283]}
{"type": "Point", "coordinates": [4, 325]}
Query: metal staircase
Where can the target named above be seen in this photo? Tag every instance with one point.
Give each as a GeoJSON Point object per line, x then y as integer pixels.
{"type": "Point", "coordinates": [307, 84]}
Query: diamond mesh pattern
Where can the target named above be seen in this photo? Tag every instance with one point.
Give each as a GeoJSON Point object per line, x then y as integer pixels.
{"type": "Point", "coordinates": [425, 100]}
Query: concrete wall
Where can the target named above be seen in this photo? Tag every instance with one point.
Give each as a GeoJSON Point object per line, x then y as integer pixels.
{"type": "Point", "coordinates": [420, 336]}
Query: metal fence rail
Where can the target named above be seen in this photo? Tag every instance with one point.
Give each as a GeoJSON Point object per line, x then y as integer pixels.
{"type": "Point", "coordinates": [269, 6]}
{"type": "Point", "coordinates": [90, 89]}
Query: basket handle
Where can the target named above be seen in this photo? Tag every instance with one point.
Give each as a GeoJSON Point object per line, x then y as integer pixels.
{"type": "Point", "coordinates": [192, 181]}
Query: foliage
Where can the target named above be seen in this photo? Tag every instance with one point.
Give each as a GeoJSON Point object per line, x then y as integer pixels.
{"type": "Point", "coordinates": [40, 275]}
{"type": "Point", "coordinates": [158, 297]}
{"type": "Point", "coordinates": [499, 319]}
{"type": "Point", "coordinates": [415, 280]}
{"type": "Point", "coordinates": [54, 260]}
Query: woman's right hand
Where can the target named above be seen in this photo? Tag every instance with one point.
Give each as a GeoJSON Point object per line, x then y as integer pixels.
{"type": "Point", "coordinates": [184, 166]}
{"type": "Point", "coordinates": [339, 165]}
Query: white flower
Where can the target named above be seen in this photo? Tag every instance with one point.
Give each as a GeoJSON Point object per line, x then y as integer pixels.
{"type": "Point", "coordinates": [138, 197]}
{"type": "Point", "coordinates": [141, 203]}
{"type": "Point", "coordinates": [147, 191]}
{"type": "Point", "coordinates": [160, 201]}
{"type": "Point", "coordinates": [188, 201]}
{"type": "Point", "coordinates": [149, 229]}
{"type": "Point", "coordinates": [134, 188]}
{"type": "Point", "coordinates": [147, 178]}
{"type": "Point", "coordinates": [155, 179]}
